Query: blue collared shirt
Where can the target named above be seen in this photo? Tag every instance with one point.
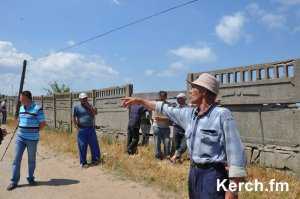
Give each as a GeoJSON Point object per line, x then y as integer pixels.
{"type": "Point", "coordinates": [212, 137]}
{"type": "Point", "coordinates": [30, 119]}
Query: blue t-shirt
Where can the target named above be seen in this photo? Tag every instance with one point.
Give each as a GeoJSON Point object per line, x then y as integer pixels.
{"type": "Point", "coordinates": [30, 119]}
{"type": "Point", "coordinates": [85, 118]}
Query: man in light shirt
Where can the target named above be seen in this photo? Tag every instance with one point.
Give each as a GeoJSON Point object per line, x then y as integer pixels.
{"type": "Point", "coordinates": [161, 129]}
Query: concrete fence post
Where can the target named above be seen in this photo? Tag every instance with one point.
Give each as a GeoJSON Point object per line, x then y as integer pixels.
{"type": "Point", "coordinates": [129, 90]}
{"type": "Point", "coordinates": [94, 97]}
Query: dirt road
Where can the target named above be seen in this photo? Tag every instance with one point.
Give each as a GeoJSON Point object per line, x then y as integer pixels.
{"type": "Point", "coordinates": [60, 177]}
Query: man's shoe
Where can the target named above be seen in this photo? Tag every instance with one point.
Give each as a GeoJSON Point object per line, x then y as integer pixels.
{"type": "Point", "coordinates": [95, 162]}
{"type": "Point", "coordinates": [32, 183]}
{"type": "Point", "coordinates": [84, 166]}
{"type": "Point", "coordinates": [11, 186]}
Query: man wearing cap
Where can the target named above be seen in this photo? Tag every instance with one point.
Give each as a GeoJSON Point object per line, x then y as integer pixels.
{"type": "Point", "coordinates": [161, 129]}
{"type": "Point", "coordinates": [31, 120]}
{"type": "Point", "coordinates": [212, 139]}
{"type": "Point", "coordinates": [84, 120]}
{"type": "Point", "coordinates": [178, 131]}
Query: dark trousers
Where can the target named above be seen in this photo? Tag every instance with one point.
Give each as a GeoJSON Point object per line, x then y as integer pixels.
{"type": "Point", "coordinates": [180, 142]}
{"type": "Point", "coordinates": [87, 137]}
{"type": "Point", "coordinates": [4, 116]}
{"type": "Point", "coordinates": [203, 182]}
{"type": "Point", "coordinates": [145, 128]}
{"type": "Point", "coordinates": [133, 136]}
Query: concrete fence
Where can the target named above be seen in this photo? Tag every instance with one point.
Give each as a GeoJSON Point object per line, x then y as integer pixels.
{"type": "Point", "coordinates": [59, 108]}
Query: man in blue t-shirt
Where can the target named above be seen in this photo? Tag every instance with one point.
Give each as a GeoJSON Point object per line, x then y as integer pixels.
{"type": "Point", "coordinates": [84, 120]}
{"type": "Point", "coordinates": [31, 121]}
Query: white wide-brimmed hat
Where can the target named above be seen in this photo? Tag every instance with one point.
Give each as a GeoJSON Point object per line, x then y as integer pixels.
{"type": "Point", "coordinates": [207, 81]}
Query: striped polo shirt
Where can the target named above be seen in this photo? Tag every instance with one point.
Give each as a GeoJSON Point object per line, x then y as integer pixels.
{"type": "Point", "coordinates": [30, 119]}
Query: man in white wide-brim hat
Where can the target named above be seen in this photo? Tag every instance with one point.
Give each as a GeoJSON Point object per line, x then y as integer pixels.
{"type": "Point", "coordinates": [212, 139]}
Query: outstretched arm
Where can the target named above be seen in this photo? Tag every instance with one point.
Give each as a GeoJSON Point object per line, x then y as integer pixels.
{"type": "Point", "coordinates": [127, 101]}
{"type": "Point", "coordinates": [180, 116]}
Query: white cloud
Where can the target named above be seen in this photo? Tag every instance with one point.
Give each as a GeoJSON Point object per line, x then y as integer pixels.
{"type": "Point", "coordinates": [273, 21]}
{"type": "Point", "coordinates": [70, 42]}
{"type": "Point", "coordinates": [289, 2]}
{"type": "Point", "coordinates": [149, 72]}
{"type": "Point", "coordinates": [174, 69]}
{"type": "Point", "coordinates": [267, 18]}
{"type": "Point", "coordinates": [9, 56]}
{"type": "Point", "coordinates": [296, 29]}
{"type": "Point", "coordinates": [186, 55]}
{"type": "Point", "coordinates": [230, 28]}
{"type": "Point", "coordinates": [202, 55]}
{"type": "Point", "coordinates": [74, 65]}
{"type": "Point", "coordinates": [73, 69]}
{"type": "Point", "coordinates": [117, 2]}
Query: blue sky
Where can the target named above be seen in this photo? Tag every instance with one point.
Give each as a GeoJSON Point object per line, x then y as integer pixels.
{"type": "Point", "coordinates": [153, 55]}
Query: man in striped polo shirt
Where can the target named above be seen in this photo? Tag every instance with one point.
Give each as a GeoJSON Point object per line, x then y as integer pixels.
{"type": "Point", "coordinates": [31, 121]}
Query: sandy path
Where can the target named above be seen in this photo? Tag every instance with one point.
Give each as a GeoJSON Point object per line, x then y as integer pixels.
{"type": "Point", "coordinates": [61, 177]}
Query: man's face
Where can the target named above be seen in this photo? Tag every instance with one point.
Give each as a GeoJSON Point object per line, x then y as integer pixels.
{"type": "Point", "coordinates": [84, 100]}
{"type": "Point", "coordinates": [181, 100]}
{"type": "Point", "coordinates": [24, 100]}
{"type": "Point", "coordinates": [196, 94]}
{"type": "Point", "coordinates": [163, 97]}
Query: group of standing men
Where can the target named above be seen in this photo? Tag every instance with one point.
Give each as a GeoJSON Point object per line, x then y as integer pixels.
{"type": "Point", "coordinates": [211, 136]}
{"type": "Point", "coordinates": [141, 118]}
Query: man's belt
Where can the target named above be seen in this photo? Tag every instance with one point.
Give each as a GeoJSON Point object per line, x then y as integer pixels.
{"type": "Point", "coordinates": [29, 127]}
{"type": "Point", "coordinates": [216, 165]}
{"type": "Point", "coordinates": [82, 127]}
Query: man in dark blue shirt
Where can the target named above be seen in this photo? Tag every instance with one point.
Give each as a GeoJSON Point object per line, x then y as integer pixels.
{"type": "Point", "coordinates": [135, 114]}
{"type": "Point", "coordinates": [84, 120]}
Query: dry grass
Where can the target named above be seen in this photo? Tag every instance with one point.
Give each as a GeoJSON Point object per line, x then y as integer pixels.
{"type": "Point", "coordinates": [144, 168]}
{"type": "Point", "coordinates": [265, 175]}
{"type": "Point", "coordinates": [141, 167]}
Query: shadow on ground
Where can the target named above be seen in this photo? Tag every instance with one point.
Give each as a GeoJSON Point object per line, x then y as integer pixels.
{"type": "Point", "coordinates": [54, 182]}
